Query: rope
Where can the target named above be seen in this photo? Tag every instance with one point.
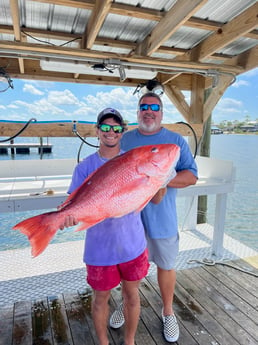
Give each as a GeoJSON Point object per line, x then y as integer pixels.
{"type": "Point", "coordinates": [210, 262]}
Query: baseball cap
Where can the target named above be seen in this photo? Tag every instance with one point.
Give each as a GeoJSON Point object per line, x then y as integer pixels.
{"type": "Point", "coordinates": [110, 112]}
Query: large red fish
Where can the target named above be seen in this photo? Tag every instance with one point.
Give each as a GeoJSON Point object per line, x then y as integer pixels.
{"type": "Point", "coordinates": [124, 184]}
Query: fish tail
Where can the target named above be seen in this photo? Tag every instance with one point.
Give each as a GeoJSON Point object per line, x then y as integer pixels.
{"type": "Point", "coordinates": [39, 230]}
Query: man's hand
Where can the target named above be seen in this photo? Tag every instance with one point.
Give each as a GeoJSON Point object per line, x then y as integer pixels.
{"type": "Point", "coordinates": [159, 195]}
{"type": "Point", "coordinates": [69, 221]}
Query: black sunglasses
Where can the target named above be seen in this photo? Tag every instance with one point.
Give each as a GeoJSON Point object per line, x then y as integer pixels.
{"type": "Point", "coordinates": [154, 107]}
{"type": "Point", "coordinates": [107, 128]}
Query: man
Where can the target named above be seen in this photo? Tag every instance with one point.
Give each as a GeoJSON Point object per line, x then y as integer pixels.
{"type": "Point", "coordinates": [115, 249]}
{"type": "Point", "coordinates": [160, 220]}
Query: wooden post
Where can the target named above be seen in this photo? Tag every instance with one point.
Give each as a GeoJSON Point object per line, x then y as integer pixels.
{"type": "Point", "coordinates": [204, 150]}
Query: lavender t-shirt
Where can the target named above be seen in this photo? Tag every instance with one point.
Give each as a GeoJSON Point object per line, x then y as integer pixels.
{"type": "Point", "coordinates": [114, 240]}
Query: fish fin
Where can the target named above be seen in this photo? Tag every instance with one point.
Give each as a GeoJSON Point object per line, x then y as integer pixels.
{"type": "Point", "coordinates": [74, 193]}
{"type": "Point", "coordinates": [87, 223]}
{"type": "Point", "coordinates": [40, 230]}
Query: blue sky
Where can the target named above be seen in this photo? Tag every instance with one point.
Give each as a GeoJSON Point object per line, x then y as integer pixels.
{"type": "Point", "coordinates": [52, 101]}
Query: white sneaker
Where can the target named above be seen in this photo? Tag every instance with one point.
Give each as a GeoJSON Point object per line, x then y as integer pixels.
{"type": "Point", "coordinates": [170, 327]}
{"type": "Point", "coordinates": [117, 319]}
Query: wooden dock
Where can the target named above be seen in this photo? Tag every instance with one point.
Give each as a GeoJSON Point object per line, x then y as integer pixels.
{"type": "Point", "coordinates": [24, 148]}
{"type": "Point", "coordinates": [216, 305]}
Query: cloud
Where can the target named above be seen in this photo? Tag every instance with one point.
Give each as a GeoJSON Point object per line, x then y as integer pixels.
{"type": "Point", "coordinates": [12, 106]}
{"type": "Point", "coordinates": [226, 103]}
{"type": "Point", "coordinates": [240, 83]}
{"type": "Point", "coordinates": [65, 97]}
{"type": "Point", "coordinates": [32, 89]}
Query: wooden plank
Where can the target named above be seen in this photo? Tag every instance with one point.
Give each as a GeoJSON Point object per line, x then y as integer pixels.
{"type": "Point", "coordinates": [6, 325]}
{"type": "Point", "coordinates": [59, 321]}
{"type": "Point", "coordinates": [239, 282]}
{"type": "Point", "coordinates": [76, 314]}
{"type": "Point", "coordinates": [211, 308]}
{"type": "Point", "coordinates": [215, 319]}
{"type": "Point", "coordinates": [244, 280]}
{"type": "Point", "coordinates": [190, 328]}
{"type": "Point", "coordinates": [142, 335]}
{"type": "Point", "coordinates": [22, 323]}
{"type": "Point", "coordinates": [41, 325]}
{"type": "Point", "coordinates": [65, 129]}
{"type": "Point", "coordinates": [86, 300]}
{"type": "Point", "coordinates": [240, 311]}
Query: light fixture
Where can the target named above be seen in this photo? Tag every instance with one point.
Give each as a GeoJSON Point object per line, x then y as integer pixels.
{"type": "Point", "coordinates": [5, 80]}
{"type": "Point", "coordinates": [150, 86]}
{"type": "Point", "coordinates": [98, 68]}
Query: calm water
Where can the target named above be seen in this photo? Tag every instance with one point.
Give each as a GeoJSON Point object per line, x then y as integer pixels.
{"type": "Point", "coordinates": [242, 204]}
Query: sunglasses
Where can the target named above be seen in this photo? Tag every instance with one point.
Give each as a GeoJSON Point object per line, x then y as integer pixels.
{"type": "Point", "coordinates": [153, 107]}
{"type": "Point", "coordinates": [107, 128]}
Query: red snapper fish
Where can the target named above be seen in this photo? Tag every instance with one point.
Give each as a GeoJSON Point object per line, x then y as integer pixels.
{"type": "Point", "coordinates": [122, 185]}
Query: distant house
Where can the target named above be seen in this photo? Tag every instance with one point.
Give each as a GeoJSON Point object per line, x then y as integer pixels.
{"type": "Point", "coordinates": [216, 130]}
{"type": "Point", "coordinates": [249, 128]}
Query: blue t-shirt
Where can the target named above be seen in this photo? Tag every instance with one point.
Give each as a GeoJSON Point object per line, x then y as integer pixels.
{"type": "Point", "coordinates": [160, 220]}
{"type": "Point", "coordinates": [114, 240]}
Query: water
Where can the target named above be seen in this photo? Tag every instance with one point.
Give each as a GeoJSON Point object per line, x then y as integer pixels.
{"type": "Point", "coordinates": [242, 209]}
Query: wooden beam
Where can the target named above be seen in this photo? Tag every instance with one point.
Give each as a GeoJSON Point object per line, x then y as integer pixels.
{"type": "Point", "coordinates": [28, 50]}
{"type": "Point", "coordinates": [216, 94]}
{"type": "Point", "coordinates": [65, 129]}
{"type": "Point", "coordinates": [197, 99]}
{"type": "Point", "coordinates": [178, 99]}
{"type": "Point", "coordinates": [16, 28]}
{"type": "Point", "coordinates": [237, 27]}
{"type": "Point", "coordinates": [174, 18]}
{"type": "Point", "coordinates": [97, 18]}
{"type": "Point", "coordinates": [247, 60]}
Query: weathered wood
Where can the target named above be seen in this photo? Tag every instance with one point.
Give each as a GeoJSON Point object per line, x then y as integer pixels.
{"type": "Point", "coordinates": [22, 324]}
{"type": "Point", "coordinates": [229, 325]}
{"type": "Point", "coordinates": [213, 304]}
{"type": "Point", "coordinates": [65, 129]}
{"type": "Point", "coordinates": [184, 317]}
{"type": "Point", "coordinates": [232, 304]}
{"type": "Point", "coordinates": [6, 325]}
{"type": "Point", "coordinates": [242, 280]}
{"type": "Point", "coordinates": [77, 317]}
{"type": "Point", "coordinates": [196, 300]}
{"type": "Point", "coordinates": [59, 322]}
{"type": "Point", "coordinates": [41, 326]}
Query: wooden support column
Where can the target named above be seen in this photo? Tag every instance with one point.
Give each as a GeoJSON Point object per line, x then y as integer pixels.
{"type": "Point", "coordinates": [197, 104]}
{"type": "Point", "coordinates": [198, 98]}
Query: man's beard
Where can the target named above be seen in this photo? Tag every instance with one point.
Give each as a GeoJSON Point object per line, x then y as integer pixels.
{"type": "Point", "coordinates": [148, 127]}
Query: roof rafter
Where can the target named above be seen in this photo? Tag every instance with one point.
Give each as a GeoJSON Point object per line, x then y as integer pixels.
{"type": "Point", "coordinates": [243, 23]}
{"type": "Point", "coordinates": [16, 28]}
{"type": "Point", "coordinates": [37, 51]}
{"type": "Point", "coordinates": [97, 18]}
{"type": "Point", "coordinates": [174, 18]}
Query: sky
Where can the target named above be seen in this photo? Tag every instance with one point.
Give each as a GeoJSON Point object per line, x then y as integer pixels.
{"type": "Point", "coordinates": [56, 101]}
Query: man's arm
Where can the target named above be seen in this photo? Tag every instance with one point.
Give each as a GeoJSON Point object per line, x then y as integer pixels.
{"type": "Point", "coordinates": [183, 179]}
{"type": "Point", "coordinates": [159, 195]}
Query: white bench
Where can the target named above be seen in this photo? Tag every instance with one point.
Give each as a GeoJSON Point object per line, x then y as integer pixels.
{"type": "Point", "coordinates": [34, 184]}
{"type": "Point", "coordinates": [215, 177]}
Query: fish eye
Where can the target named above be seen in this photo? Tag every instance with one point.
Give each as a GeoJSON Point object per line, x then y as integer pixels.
{"type": "Point", "coordinates": [154, 149]}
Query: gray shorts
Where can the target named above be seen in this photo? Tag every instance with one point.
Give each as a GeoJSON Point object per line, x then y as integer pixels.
{"type": "Point", "coordinates": [163, 251]}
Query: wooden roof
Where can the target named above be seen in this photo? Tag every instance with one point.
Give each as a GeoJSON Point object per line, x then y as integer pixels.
{"type": "Point", "coordinates": [186, 44]}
